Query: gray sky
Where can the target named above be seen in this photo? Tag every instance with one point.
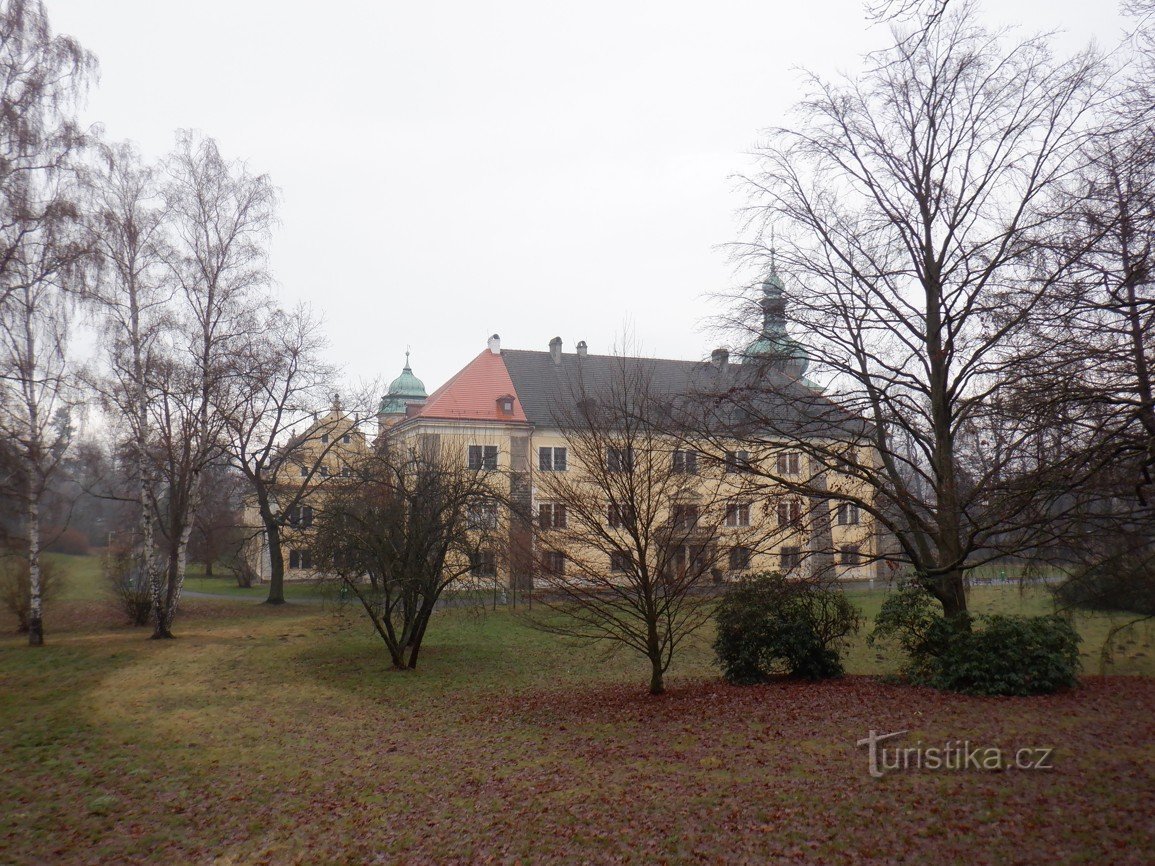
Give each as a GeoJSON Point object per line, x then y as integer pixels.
{"type": "Point", "coordinates": [454, 169]}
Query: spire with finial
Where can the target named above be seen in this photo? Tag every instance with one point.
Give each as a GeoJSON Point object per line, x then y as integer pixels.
{"type": "Point", "coordinates": [774, 344]}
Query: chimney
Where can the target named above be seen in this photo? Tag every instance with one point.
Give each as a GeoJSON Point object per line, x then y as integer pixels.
{"type": "Point", "coordinates": [582, 348]}
{"type": "Point", "coordinates": [720, 358]}
{"type": "Point", "coordinates": [495, 344]}
{"type": "Point", "coordinates": [555, 349]}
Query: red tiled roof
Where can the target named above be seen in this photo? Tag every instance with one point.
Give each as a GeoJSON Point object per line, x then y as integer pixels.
{"type": "Point", "coordinates": [472, 394]}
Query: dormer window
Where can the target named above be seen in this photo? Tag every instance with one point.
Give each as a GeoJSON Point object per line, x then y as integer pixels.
{"type": "Point", "coordinates": [505, 404]}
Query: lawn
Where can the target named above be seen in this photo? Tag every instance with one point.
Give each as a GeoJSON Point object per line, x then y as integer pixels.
{"type": "Point", "coordinates": [278, 735]}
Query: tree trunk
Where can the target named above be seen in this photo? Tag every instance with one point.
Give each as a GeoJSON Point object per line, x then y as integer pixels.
{"type": "Point", "coordinates": [657, 683]}
{"type": "Point", "coordinates": [276, 555]}
{"type": "Point", "coordinates": [35, 611]}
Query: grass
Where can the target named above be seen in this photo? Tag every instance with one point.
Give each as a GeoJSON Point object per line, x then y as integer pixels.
{"type": "Point", "coordinates": [279, 735]}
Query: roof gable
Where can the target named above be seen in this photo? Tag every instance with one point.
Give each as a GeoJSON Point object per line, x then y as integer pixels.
{"type": "Point", "coordinates": [473, 393]}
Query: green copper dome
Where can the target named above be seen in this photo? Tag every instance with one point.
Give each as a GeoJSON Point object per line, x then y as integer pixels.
{"type": "Point", "coordinates": [774, 344]}
{"type": "Point", "coordinates": [406, 388]}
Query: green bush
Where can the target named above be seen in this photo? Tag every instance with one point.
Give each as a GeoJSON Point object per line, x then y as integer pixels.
{"type": "Point", "coordinates": [769, 625]}
{"type": "Point", "coordinates": [1012, 655]}
{"type": "Point", "coordinates": [987, 655]}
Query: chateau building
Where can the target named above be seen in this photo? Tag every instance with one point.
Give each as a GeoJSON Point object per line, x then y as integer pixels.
{"type": "Point", "coordinates": [507, 411]}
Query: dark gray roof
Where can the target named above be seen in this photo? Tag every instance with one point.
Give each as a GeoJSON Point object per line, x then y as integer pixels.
{"type": "Point", "coordinates": [743, 397]}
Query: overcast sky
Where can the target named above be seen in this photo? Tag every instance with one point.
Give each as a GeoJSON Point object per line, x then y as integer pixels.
{"type": "Point", "coordinates": [453, 169]}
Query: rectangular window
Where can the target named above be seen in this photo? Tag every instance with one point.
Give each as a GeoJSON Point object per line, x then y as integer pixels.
{"type": "Point", "coordinates": [620, 562]}
{"type": "Point", "coordinates": [850, 555]}
{"type": "Point", "coordinates": [294, 559]}
{"type": "Point", "coordinates": [306, 515]}
{"type": "Point", "coordinates": [684, 517]}
{"type": "Point", "coordinates": [306, 559]}
{"type": "Point", "coordinates": [791, 558]}
{"type": "Point", "coordinates": [619, 459]}
{"type": "Point", "coordinates": [324, 438]}
{"type": "Point", "coordinates": [294, 516]}
{"type": "Point", "coordinates": [686, 462]}
{"type": "Point", "coordinates": [346, 439]}
{"type": "Point", "coordinates": [738, 514]}
{"type": "Point", "coordinates": [323, 471]}
{"type": "Point", "coordinates": [551, 459]}
{"type": "Point", "coordinates": [790, 512]}
{"type": "Point", "coordinates": [848, 514]}
{"type": "Point", "coordinates": [304, 471]}
{"type": "Point", "coordinates": [483, 457]}
{"type": "Point", "coordinates": [621, 515]}
{"type": "Point", "coordinates": [483, 516]}
{"type": "Point", "coordinates": [551, 515]}
{"type": "Point", "coordinates": [739, 558]}
{"type": "Point", "coordinates": [737, 461]}
{"type": "Point", "coordinates": [482, 563]}
{"type": "Point", "coordinates": [789, 463]}
{"type": "Point", "coordinates": [554, 563]}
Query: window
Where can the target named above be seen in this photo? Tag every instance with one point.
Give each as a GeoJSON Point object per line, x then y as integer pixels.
{"type": "Point", "coordinates": [483, 516]}
{"type": "Point", "coordinates": [789, 463]}
{"type": "Point", "coordinates": [306, 515]}
{"type": "Point", "coordinates": [482, 563]}
{"type": "Point", "coordinates": [294, 559]}
{"type": "Point", "coordinates": [737, 461]}
{"type": "Point", "coordinates": [849, 555]}
{"type": "Point", "coordinates": [791, 558]}
{"type": "Point", "coordinates": [739, 558]}
{"type": "Point", "coordinates": [551, 459]}
{"type": "Point", "coordinates": [619, 459]}
{"type": "Point", "coordinates": [790, 512]}
{"type": "Point", "coordinates": [738, 514]}
{"type": "Point", "coordinates": [551, 516]}
{"type": "Point", "coordinates": [686, 462]}
{"type": "Point", "coordinates": [346, 439]}
{"type": "Point", "coordinates": [483, 457]}
{"type": "Point", "coordinates": [323, 471]}
{"type": "Point", "coordinates": [621, 515]}
{"type": "Point", "coordinates": [294, 516]}
{"type": "Point", "coordinates": [324, 438]}
{"type": "Point", "coordinates": [306, 559]}
{"type": "Point", "coordinates": [554, 563]}
{"type": "Point", "coordinates": [505, 403]}
{"type": "Point", "coordinates": [684, 517]}
{"type": "Point", "coordinates": [304, 471]}
{"type": "Point", "coordinates": [848, 514]}
{"type": "Point", "coordinates": [620, 562]}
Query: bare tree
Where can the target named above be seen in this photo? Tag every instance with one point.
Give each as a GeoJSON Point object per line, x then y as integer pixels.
{"type": "Point", "coordinates": [131, 295]}
{"type": "Point", "coordinates": [220, 216]}
{"type": "Point", "coordinates": [41, 77]}
{"type": "Point", "coordinates": [634, 531]}
{"type": "Point", "coordinates": [909, 204]}
{"type": "Point", "coordinates": [285, 382]}
{"type": "Point", "coordinates": [412, 521]}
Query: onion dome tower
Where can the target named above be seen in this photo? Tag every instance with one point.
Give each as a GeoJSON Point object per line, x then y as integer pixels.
{"type": "Point", "coordinates": [404, 391]}
{"type": "Point", "coordinates": [774, 346]}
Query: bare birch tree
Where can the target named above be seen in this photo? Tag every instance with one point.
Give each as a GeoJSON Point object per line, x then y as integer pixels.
{"type": "Point", "coordinates": [220, 216]}
{"type": "Point", "coordinates": [42, 75]}
{"type": "Point", "coordinates": [131, 294]}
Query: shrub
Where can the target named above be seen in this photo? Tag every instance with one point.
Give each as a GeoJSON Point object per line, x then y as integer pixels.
{"type": "Point", "coordinates": [769, 625]}
{"type": "Point", "coordinates": [989, 655]}
{"type": "Point", "coordinates": [15, 591]}
{"type": "Point", "coordinates": [1012, 655]}
{"type": "Point", "coordinates": [71, 541]}
{"type": "Point", "coordinates": [128, 582]}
